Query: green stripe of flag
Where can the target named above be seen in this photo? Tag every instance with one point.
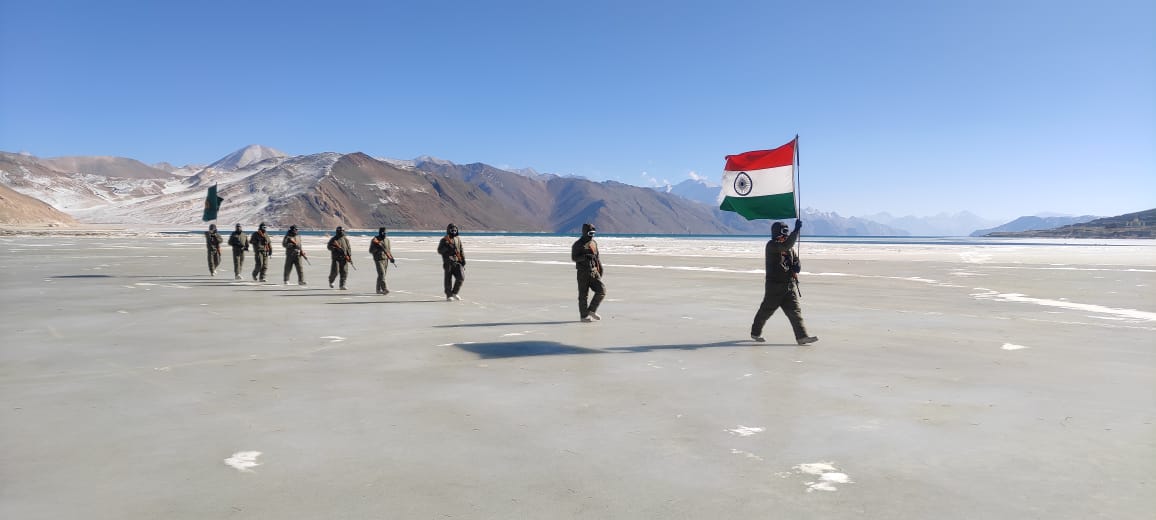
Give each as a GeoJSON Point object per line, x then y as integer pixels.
{"type": "Point", "coordinates": [777, 206]}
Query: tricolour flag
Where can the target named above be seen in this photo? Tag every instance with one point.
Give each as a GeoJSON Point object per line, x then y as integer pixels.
{"type": "Point", "coordinates": [212, 204]}
{"type": "Point", "coordinates": [761, 184]}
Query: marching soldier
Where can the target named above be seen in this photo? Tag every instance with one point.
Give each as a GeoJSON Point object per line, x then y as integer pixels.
{"type": "Point", "coordinates": [240, 243]}
{"type": "Point", "coordinates": [453, 262]}
{"type": "Point", "coordinates": [584, 253]}
{"type": "Point", "coordinates": [262, 250]}
{"type": "Point", "coordinates": [382, 257]}
{"type": "Point", "coordinates": [213, 244]}
{"type": "Point", "coordinates": [782, 287]}
{"type": "Point", "coordinates": [293, 255]}
{"type": "Point", "coordinates": [339, 257]}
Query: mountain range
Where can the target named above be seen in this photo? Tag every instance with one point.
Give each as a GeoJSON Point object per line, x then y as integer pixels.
{"type": "Point", "coordinates": [1033, 223]}
{"type": "Point", "coordinates": [1141, 224]}
{"type": "Point", "coordinates": [262, 184]}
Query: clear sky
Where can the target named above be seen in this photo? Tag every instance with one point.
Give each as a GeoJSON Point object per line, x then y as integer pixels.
{"type": "Point", "coordinates": [1000, 107]}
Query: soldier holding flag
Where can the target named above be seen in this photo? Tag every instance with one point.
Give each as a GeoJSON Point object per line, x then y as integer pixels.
{"type": "Point", "coordinates": [761, 185]}
{"type": "Point", "coordinates": [213, 243]}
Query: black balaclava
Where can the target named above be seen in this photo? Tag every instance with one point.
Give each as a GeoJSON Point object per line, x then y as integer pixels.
{"type": "Point", "coordinates": [452, 230]}
{"type": "Point", "coordinates": [588, 231]}
{"type": "Point", "coordinates": [238, 228]}
{"type": "Point", "coordinates": [381, 232]}
{"type": "Point", "coordinates": [212, 227]}
{"type": "Point", "coordinates": [778, 229]}
{"type": "Point", "coordinates": [292, 230]}
{"type": "Point", "coordinates": [340, 231]}
{"type": "Point", "coordinates": [261, 227]}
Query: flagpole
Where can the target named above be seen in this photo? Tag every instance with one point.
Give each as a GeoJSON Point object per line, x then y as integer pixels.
{"type": "Point", "coordinates": [798, 193]}
{"type": "Point", "coordinates": [799, 185]}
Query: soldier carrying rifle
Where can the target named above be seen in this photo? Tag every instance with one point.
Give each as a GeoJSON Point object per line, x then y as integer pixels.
{"type": "Point", "coordinates": [293, 255]}
{"type": "Point", "coordinates": [339, 257]}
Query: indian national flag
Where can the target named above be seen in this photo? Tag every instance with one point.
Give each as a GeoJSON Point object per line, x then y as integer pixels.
{"type": "Point", "coordinates": [761, 184]}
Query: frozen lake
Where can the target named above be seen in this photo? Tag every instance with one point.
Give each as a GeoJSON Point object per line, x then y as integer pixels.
{"type": "Point", "coordinates": [950, 381]}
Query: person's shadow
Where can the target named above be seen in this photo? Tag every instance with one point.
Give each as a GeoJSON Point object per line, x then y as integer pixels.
{"type": "Point", "coordinates": [527, 348]}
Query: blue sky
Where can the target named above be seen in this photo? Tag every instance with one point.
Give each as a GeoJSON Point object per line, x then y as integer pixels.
{"type": "Point", "coordinates": [1003, 108]}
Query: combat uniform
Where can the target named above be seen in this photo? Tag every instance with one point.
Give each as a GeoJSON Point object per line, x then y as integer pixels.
{"type": "Point", "coordinates": [293, 255]}
{"type": "Point", "coordinates": [584, 253]}
{"type": "Point", "coordinates": [379, 248]}
{"type": "Point", "coordinates": [453, 262]}
{"type": "Point", "coordinates": [240, 243]}
{"type": "Point", "coordinates": [339, 257]}
{"type": "Point", "coordinates": [781, 288]}
{"type": "Point", "coordinates": [262, 249]}
{"type": "Point", "coordinates": [213, 244]}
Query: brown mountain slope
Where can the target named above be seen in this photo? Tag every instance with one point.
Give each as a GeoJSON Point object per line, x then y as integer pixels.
{"type": "Point", "coordinates": [621, 208]}
{"type": "Point", "coordinates": [17, 208]}
{"type": "Point", "coordinates": [107, 167]}
{"type": "Point", "coordinates": [362, 192]}
{"type": "Point", "coordinates": [1141, 224]}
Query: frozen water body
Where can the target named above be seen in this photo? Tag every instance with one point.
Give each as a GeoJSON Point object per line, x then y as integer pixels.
{"type": "Point", "coordinates": [127, 375]}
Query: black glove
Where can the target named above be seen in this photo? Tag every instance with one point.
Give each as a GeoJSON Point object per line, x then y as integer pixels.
{"type": "Point", "coordinates": [798, 224]}
{"type": "Point", "coordinates": [463, 263]}
{"type": "Point", "coordinates": [392, 261]}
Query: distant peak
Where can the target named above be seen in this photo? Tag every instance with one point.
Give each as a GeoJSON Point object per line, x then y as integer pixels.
{"type": "Point", "coordinates": [432, 160]}
{"type": "Point", "coordinates": [246, 156]}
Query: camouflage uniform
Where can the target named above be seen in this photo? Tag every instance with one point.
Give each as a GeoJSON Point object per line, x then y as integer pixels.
{"type": "Point", "coordinates": [240, 243]}
{"type": "Point", "coordinates": [293, 255]}
{"type": "Point", "coordinates": [453, 262]}
{"type": "Point", "coordinates": [262, 249]}
{"type": "Point", "coordinates": [379, 248]}
{"type": "Point", "coordinates": [339, 254]}
{"type": "Point", "coordinates": [584, 253]}
{"type": "Point", "coordinates": [781, 288]}
{"type": "Point", "coordinates": [213, 245]}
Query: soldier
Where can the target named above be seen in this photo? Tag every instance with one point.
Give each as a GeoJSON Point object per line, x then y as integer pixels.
{"type": "Point", "coordinates": [781, 288]}
{"type": "Point", "coordinates": [339, 257]}
{"type": "Point", "coordinates": [240, 243]}
{"type": "Point", "coordinates": [584, 253]}
{"type": "Point", "coordinates": [262, 250]}
{"type": "Point", "coordinates": [293, 255]}
{"type": "Point", "coordinates": [213, 244]}
{"type": "Point", "coordinates": [453, 262]}
{"type": "Point", "coordinates": [382, 257]}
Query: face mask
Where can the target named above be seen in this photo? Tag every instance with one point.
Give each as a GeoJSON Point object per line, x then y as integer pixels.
{"type": "Point", "coordinates": [590, 233]}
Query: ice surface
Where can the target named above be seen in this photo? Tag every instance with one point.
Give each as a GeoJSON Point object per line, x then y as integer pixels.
{"type": "Point", "coordinates": [127, 375]}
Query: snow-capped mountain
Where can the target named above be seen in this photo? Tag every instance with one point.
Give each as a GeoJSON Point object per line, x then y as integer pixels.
{"type": "Point", "coordinates": [943, 224]}
{"type": "Point", "coordinates": [247, 156]}
{"type": "Point", "coordinates": [357, 191]}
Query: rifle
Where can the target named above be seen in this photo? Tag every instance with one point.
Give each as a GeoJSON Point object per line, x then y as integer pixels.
{"type": "Point", "coordinates": [305, 257]}
{"type": "Point", "coordinates": [346, 255]}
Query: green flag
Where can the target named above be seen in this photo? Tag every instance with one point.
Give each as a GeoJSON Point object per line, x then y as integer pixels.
{"type": "Point", "coordinates": [212, 204]}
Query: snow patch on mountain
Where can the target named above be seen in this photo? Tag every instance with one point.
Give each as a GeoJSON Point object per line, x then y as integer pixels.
{"type": "Point", "coordinates": [246, 156]}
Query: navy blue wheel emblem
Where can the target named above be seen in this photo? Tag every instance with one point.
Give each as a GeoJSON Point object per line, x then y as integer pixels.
{"type": "Point", "coordinates": [743, 184]}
